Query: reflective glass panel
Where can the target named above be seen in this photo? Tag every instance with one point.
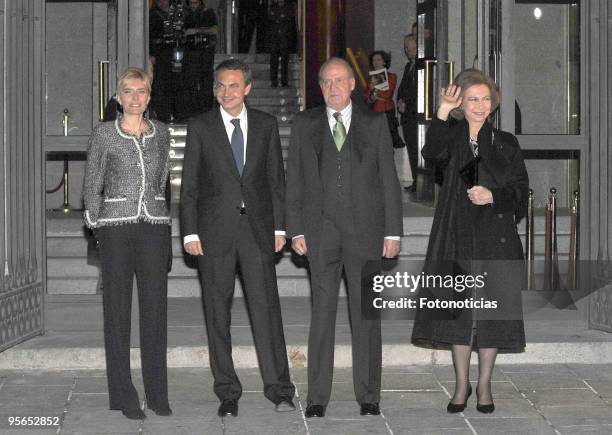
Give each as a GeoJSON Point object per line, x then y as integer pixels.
{"type": "Point", "coordinates": [546, 37]}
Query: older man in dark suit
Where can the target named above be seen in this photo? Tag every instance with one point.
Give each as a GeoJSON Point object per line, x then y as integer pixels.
{"type": "Point", "coordinates": [232, 205]}
{"type": "Point", "coordinates": [344, 210]}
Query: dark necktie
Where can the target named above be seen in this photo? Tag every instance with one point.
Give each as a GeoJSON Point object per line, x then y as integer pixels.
{"type": "Point", "coordinates": [238, 145]}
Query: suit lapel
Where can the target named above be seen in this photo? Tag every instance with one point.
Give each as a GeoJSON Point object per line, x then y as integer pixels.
{"type": "Point", "coordinates": [322, 129]}
{"type": "Point", "coordinates": [318, 138]}
{"type": "Point", "coordinates": [356, 133]}
{"type": "Point", "coordinates": [224, 143]}
{"type": "Point", "coordinates": [254, 142]}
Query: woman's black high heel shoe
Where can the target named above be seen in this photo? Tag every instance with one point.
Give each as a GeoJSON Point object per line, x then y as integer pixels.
{"type": "Point", "coordinates": [485, 409]}
{"type": "Point", "coordinates": [454, 408]}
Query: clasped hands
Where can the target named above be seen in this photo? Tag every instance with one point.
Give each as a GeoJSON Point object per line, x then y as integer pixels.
{"type": "Point", "coordinates": [480, 195]}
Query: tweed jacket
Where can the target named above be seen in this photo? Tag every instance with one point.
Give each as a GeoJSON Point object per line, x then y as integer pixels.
{"type": "Point", "coordinates": [125, 177]}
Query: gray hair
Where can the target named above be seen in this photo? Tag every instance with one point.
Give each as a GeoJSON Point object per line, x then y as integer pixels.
{"type": "Point", "coordinates": [472, 77]}
{"type": "Point", "coordinates": [335, 60]}
{"type": "Point", "coordinates": [234, 65]}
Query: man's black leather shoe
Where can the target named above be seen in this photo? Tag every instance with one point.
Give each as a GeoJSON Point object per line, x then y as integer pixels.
{"type": "Point", "coordinates": [370, 409]}
{"type": "Point", "coordinates": [285, 405]}
{"type": "Point", "coordinates": [314, 411]}
{"type": "Point", "coordinates": [163, 411]}
{"type": "Point", "coordinates": [134, 414]}
{"type": "Point", "coordinates": [228, 407]}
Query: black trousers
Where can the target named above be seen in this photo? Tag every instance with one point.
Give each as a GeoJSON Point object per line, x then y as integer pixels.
{"type": "Point", "coordinates": [165, 87]}
{"type": "Point", "coordinates": [411, 137]}
{"type": "Point", "coordinates": [392, 122]}
{"type": "Point", "coordinates": [279, 49]}
{"type": "Point", "coordinates": [258, 272]}
{"type": "Point", "coordinates": [125, 250]}
{"type": "Point", "coordinates": [339, 251]}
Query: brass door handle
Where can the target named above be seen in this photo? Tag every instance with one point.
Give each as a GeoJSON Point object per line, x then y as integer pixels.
{"type": "Point", "coordinates": [102, 87]}
{"type": "Point", "coordinates": [66, 122]}
{"type": "Point", "coordinates": [451, 71]}
{"type": "Point", "coordinates": [428, 63]}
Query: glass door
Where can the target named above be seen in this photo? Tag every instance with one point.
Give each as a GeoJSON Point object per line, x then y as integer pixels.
{"type": "Point", "coordinates": [84, 48]}
{"type": "Point", "coordinates": [82, 55]}
{"type": "Point", "coordinates": [535, 56]}
{"type": "Point", "coordinates": [427, 73]}
{"type": "Point", "coordinates": [447, 42]}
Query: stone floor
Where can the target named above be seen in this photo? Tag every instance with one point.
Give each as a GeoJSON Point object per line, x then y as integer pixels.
{"type": "Point", "coordinates": [530, 399]}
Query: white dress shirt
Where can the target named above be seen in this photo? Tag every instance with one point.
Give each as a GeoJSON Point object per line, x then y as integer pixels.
{"type": "Point", "coordinates": [229, 129]}
{"type": "Point", "coordinates": [346, 113]}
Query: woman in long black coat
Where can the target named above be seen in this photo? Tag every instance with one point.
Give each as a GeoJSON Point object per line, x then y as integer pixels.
{"type": "Point", "coordinates": [474, 233]}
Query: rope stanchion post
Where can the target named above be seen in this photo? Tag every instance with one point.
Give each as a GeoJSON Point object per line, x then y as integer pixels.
{"type": "Point", "coordinates": [573, 250]}
{"type": "Point", "coordinates": [66, 205]}
{"type": "Point", "coordinates": [529, 239]}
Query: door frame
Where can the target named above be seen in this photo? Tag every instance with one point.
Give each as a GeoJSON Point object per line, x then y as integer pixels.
{"type": "Point", "coordinates": [22, 211]}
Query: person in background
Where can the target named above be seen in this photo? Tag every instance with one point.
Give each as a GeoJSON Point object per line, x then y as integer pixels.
{"type": "Point", "coordinates": [281, 39]}
{"type": "Point", "coordinates": [198, 65]}
{"type": "Point", "coordinates": [160, 50]}
{"type": "Point", "coordinates": [252, 24]}
{"type": "Point", "coordinates": [381, 101]}
{"type": "Point", "coordinates": [407, 107]}
{"type": "Point", "coordinates": [125, 204]}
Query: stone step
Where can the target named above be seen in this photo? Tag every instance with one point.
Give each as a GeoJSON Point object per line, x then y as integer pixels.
{"type": "Point", "coordinates": [258, 58]}
{"type": "Point", "coordinates": [273, 101]}
{"type": "Point", "coordinates": [70, 246]}
{"type": "Point", "coordinates": [263, 74]}
{"type": "Point", "coordinates": [275, 109]}
{"type": "Point", "coordinates": [264, 85]}
{"type": "Point", "coordinates": [284, 119]}
{"type": "Point", "coordinates": [69, 273]}
{"type": "Point", "coordinates": [178, 287]}
{"type": "Point", "coordinates": [257, 67]}
{"type": "Point", "coordinates": [269, 92]}
{"type": "Point", "coordinates": [74, 337]}
{"type": "Point", "coordinates": [72, 225]}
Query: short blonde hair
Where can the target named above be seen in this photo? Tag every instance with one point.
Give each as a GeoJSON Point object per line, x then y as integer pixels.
{"type": "Point", "coordinates": [472, 77]}
{"type": "Point", "coordinates": [133, 73]}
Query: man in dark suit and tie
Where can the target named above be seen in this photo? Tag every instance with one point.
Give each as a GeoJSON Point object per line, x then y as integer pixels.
{"type": "Point", "coordinates": [344, 209]}
{"type": "Point", "coordinates": [232, 205]}
{"type": "Point", "coordinates": [407, 106]}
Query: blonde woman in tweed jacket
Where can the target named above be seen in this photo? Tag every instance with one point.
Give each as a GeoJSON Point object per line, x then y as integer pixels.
{"type": "Point", "coordinates": [125, 205]}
